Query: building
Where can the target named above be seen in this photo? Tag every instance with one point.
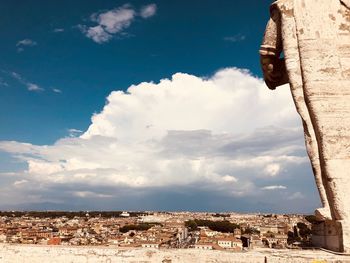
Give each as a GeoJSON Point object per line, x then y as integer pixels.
{"type": "Point", "coordinates": [204, 245]}
{"type": "Point", "coordinates": [230, 243]}
{"type": "Point", "coordinates": [150, 244]}
{"type": "Point", "coordinates": [125, 214]}
{"type": "Point", "coordinates": [54, 241]}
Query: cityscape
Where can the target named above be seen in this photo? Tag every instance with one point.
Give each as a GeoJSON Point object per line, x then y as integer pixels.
{"type": "Point", "coordinates": [174, 131]}
{"type": "Point", "coordinates": [160, 230]}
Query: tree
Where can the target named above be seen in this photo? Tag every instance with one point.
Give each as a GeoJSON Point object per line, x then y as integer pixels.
{"type": "Point", "coordinates": [220, 226]}
{"type": "Point", "coordinates": [191, 225]}
{"type": "Point", "coordinates": [295, 230]}
{"type": "Point", "coordinates": [304, 231]}
{"type": "Point", "coordinates": [290, 238]}
{"type": "Point", "coordinates": [312, 219]}
{"type": "Point", "coordinates": [301, 225]}
{"type": "Point", "coordinates": [139, 227]}
{"type": "Point", "coordinates": [251, 230]}
{"type": "Point", "coordinates": [269, 234]}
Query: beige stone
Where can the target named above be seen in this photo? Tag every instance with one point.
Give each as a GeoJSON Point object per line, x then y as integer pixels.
{"type": "Point", "coordinates": [314, 36]}
{"type": "Point", "coordinates": [58, 254]}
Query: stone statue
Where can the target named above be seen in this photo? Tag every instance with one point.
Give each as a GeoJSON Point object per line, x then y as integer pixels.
{"type": "Point", "coordinates": [307, 44]}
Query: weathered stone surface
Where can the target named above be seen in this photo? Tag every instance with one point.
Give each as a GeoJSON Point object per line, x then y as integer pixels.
{"type": "Point", "coordinates": [61, 254]}
{"type": "Point", "coordinates": [314, 36]}
{"type": "Point", "coordinates": [326, 234]}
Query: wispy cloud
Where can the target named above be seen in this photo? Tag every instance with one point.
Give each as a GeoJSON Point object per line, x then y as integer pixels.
{"type": "Point", "coordinates": [33, 87]}
{"type": "Point", "coordinates": [20, 183]}
{"type": "Point", "coordinates": [148, 11]}
{"type": "Point", "coordinates": [3, 83]}
{"type": "Point", "coordinates": [113, 22]}
{"type": "Point", "coordinates": [58, 30]}
{"type": "Point", "coordinates": [296, 195]}
{"type": "Point", "coordinates": [56, 90]}
{"type": "Point", "coordinates": [25, 43]}
{"type": "Point", "coordinates": [30, 86]}
{"type": "Point", "coordinates": [17, 76]}
{"type": "Point", "coordinates": [87, 194]}
{"type": "Point", "coordinates": [235, 38]}
{"type": "Point", "coordinates": [74, 132]}
{"type": "Point", "coordinates": [273, 187]}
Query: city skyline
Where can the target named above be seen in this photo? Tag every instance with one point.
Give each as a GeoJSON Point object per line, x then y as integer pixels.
{"type": "Point", "coordinates": [145, 105]}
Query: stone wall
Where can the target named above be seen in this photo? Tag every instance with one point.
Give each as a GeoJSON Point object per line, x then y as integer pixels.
{"type": "Point", "coordinates": [63, 254]}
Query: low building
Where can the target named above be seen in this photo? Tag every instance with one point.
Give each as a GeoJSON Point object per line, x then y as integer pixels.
{"type": "Point", "coordinates": [204, 245]}
{"type": "Point", "coordinates": [277, 241]}
{"type": "Point", "coordinates": [150, 244]}
{"type": "Point", "coordinates": [54, 241]}
{"type": "Point", "coordinates": [237, 233]}
{"type": "Point", "coordinates": [256, 242]}
{"type": "Point", "coordinates": [125, 214]}
{"type": "Point", "coordinates": [230, 243]}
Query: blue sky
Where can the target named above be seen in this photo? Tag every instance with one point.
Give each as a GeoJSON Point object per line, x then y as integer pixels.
{"type": "Point", "coordinates": [210, 136]}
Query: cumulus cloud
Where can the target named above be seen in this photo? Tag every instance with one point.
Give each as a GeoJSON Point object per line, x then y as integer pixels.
{"type": "Point", "coordinates": [226, 133]}
{"type": "Point", "coordinates": [113, 22]}
{"type": "Point", "coordinates": [25, 43]}
{"type": "Point", "coordinates": [229, 178]}
{"type": "Point", "coordinates": [272, 169]}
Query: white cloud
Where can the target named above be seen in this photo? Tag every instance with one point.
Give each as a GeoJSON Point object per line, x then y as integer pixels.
{"type": "Point", "coordinates": [296, 195]}
{"type": "Point", "coordinates": [112, 22]}
{"type": "Point", "coordinates": [229, 178]}
{"type": "Point", "coordinates": [25, 43]}
{"type": "Point", "coordinates": [235, 38]}
{"type": "Point", "coordinates": [98, 34]}
{"type": "Point", "coordinates": [109, 23]}
{"type": "Point", "coordinates": [58, 30]}
{"type": "Point", "coordinates": [148, 11]}
{"type": "Point", "coordinates": [56, 90]}
{"type": "Point", "coordinates": [17, 76]}
{"type": "Point", "coordinates": [20, 183]}
{"type": "Point", "coordinates": [74, 132]}
{"type": "Point", "coordinates": [272, 169]}
{"type": "Point", "coordinates": [190, 103]}
{"type": "Point", "coordinates": [273, 187]}
{"type": "Point", "coordinates": [87, 194]}
{"type": "Point", "coordinates": [33, 87]}
{"type": "Point", "coordinates": [30, 86]}
{"type": "Point", "coordinates": [181, 131]}
{"type": "Point", "coordinates": [3, 83]}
